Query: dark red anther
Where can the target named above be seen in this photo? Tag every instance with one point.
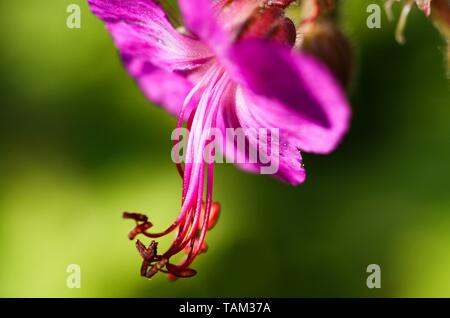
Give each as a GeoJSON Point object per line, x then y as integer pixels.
{"type": "Point", "coordinates": [150, 273]}
{"type": "Point", "coordinates": [138, 217]}
{"type": "Point", "coordinates": [138, 229]}
{"type": "Point", "coordinates": [142, 224]}
{"type": "Point", "coordinates": [154, 269]}
{"type": "Point", "coordinates": [144, 268]}
{"type": "Point", "coordinates": [147, 253]}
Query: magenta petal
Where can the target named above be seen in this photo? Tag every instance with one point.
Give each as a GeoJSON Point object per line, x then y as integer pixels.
{"type": "Point", "coordinates": [154, 53]}
{"type": "Point", "coordinates": [283, 155]}
{"type": "Point", "coordinates": [201, 19]}
{"type": "Point", "coordinates": [293, 92]}
{"type": "Point", "coordinates": [158, 85]}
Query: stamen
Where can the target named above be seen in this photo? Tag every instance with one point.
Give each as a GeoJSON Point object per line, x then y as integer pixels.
{"type": "Point", "coordinates": [196, 217]}
{"type": "Point", "coordinates": [142, 224]}
{"type": "Point", "coordinates": [186, 103]}
{"type": "Point", "coordinates": [202, 135]}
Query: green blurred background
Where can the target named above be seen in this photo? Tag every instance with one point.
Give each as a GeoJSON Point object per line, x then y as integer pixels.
{"type": "Point", "coordinates": [79, 144]}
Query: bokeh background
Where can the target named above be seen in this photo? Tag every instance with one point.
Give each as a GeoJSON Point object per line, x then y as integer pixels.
{"type": "Point", "coordinates": [79, 144]}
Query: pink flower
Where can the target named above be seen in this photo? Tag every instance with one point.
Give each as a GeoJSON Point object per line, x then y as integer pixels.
{"type": "Point", "coordinates": [232, 66]}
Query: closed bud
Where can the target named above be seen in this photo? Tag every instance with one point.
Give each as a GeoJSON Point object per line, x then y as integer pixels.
{"type": "Point", "coordinates": [328, 44]}
{"type": "Point", "coordinates": [441, 15]}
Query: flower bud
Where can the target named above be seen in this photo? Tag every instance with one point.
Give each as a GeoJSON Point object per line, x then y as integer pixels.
{"type": "Point", "coordinates": [441, 16]}
{"type": "Point", "coordinates": [327, 43]}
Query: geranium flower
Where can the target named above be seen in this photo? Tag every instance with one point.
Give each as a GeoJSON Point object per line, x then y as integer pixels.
{"type": "Point", "coordinates": [231, 66]}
